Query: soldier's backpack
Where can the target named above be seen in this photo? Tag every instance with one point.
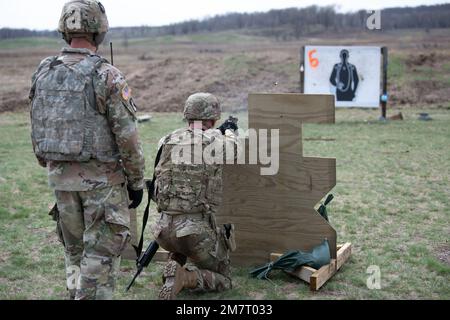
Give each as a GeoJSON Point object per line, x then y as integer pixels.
{"type": "Point", "coordinates": [65, 121]}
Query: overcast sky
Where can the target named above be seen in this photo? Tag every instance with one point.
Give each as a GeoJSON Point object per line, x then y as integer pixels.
{"type": "Point", "coordinates": [44, 14]}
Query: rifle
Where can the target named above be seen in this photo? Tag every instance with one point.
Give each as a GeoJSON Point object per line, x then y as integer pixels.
{"type": "Point", "coordinates": [144, 261]}
{"type": "Point", "coordinates": [231, 124]}
{"type": "Point", "coordinates": [233, 119]}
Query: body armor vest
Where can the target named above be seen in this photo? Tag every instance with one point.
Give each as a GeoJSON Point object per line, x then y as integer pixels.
{"type": "Point", "coordinates": [187, 188]}
{"type": "Point", "coordinates": [65, 121]}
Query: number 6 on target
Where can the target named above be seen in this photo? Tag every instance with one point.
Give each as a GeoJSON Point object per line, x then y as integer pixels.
{"type": "Point", "coordinates": [313, 62]}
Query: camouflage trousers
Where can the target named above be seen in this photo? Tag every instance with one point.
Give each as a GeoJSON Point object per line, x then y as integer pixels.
{"type": "Point", "coordinates": [192, 237]}
{"type": "Point", "coordinates": [94, 228]}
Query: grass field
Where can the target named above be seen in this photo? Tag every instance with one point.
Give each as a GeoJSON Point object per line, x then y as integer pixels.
{"type": "Point", "coordinates": [21, 43]}
{"type": "Point", "coordinates": [391, 202]}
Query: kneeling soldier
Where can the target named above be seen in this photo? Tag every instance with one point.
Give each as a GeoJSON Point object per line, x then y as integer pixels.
{"type": "Point", "coordinates": [188, 195]}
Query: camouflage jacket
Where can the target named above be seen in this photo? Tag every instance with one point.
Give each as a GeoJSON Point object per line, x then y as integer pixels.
{"type": "Point", "coordinates": [113, 99]}
{"type": "Point", "coordinates": [192, 185]}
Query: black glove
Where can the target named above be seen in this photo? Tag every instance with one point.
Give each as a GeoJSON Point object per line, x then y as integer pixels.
{"type": "Point", "coordinates": [136, 197]}
{"type": "Point", "coordinates": [228, 125]}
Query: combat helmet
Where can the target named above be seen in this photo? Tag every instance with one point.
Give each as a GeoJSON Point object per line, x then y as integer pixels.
{"type": "Point", "coordinates": [84, 18]}
{"type": "Point", "coordinates": [202, 106]}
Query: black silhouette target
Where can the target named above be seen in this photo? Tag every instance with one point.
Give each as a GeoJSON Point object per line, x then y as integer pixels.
{"type": "Point", "coordinates": [344, 77]}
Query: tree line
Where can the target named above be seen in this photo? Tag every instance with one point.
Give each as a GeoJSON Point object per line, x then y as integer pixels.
{"type": "Point", "coordinates": [283, 23]}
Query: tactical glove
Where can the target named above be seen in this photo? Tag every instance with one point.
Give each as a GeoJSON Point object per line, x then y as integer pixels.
{"type": "Point", "coordinates": [228, 125]}
{"type": "Point", "coordinates": [136, 197]}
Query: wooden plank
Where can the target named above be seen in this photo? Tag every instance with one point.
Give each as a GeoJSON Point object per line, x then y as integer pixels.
{"type": "Point", "coordinates": [321, 276]}
{"type": "Point", "coordinates": [304, 273]}
{"type": "Point", "coordinates": [343, 254]}
{"type": "Point", "coordinates": [282, 205]}
{"type": "Point", "coordinates": [301, 186]}
{"type": "Point", "coordinates": [317, 278]}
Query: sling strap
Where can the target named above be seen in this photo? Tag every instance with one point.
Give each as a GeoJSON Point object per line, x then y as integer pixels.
{"type": "Point", "coordinates": [150, 190]}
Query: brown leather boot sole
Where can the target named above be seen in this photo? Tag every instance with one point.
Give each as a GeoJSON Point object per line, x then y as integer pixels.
{"type": "Point", "coordinates": [173, 281]}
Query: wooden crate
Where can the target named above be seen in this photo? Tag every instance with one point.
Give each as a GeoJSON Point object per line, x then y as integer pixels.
{"type": "Point", "coordinates": [317, 278]}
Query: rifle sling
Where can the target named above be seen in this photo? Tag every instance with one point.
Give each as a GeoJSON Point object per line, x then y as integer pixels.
{"type": "Point", "coordinates": [150, 190]}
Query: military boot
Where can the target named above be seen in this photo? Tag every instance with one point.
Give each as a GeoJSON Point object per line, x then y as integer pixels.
{"type": "Point", "coordinates": [72, 294]}
{"type": "Point", "coordinates": [176, 278]}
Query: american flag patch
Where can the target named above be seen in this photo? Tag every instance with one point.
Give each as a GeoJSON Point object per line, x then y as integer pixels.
{"type": "Point", "coordinates": [126, 93]}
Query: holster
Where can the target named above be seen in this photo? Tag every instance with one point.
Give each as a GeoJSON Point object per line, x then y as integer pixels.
{"type": "Point", "coordinates": [228, 234]}
{"type": "Point", "coordinates": [54, 213]}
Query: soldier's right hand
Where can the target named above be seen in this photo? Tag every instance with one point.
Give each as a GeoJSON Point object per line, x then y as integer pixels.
{"type": "Point", "coordinates": [135, 197]}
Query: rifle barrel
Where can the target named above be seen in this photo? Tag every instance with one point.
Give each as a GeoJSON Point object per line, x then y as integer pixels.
{"type": "Point", "coordinates": [144, 261]}
{"type": "Point", "coordinates": [134, 279]}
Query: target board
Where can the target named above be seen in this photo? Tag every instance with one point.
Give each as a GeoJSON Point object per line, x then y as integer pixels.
{"type": "Point", "coordinates": [351, 74]}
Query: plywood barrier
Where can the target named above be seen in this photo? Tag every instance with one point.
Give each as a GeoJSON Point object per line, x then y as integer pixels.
{"type": "Point", "coordinates": [276, 213]}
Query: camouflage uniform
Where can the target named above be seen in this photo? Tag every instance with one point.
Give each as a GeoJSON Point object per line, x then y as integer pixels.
{"type": "Point", "coordinates": [188, 197]}
{"type": "Point", "coordinates": [91, 195]}
{"type": "Point", "coordinates": [84, 131]}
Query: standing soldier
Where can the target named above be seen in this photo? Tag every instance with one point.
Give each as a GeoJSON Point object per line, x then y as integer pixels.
{"type": "Point", "coordinates": [188, 195]}
{"type": "Point", "coordinates": [84, 131]}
